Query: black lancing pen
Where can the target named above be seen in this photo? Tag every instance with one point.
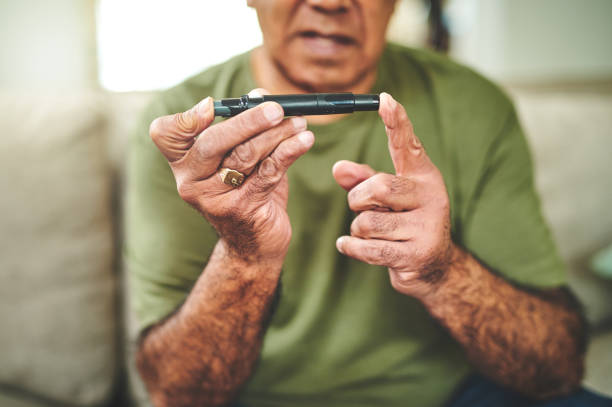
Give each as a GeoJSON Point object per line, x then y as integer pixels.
{"type": "Point", "coordinates": [301, 104]}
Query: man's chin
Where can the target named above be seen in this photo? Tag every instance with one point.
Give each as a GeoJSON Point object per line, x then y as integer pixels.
{"type": "Point", "coordinates": [324, 78]}
{"type": "Point", "coordinates": [334, 74]}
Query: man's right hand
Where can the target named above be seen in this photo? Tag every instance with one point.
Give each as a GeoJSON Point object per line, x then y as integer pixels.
{"type": "Point", "coordinates": [251, 220]}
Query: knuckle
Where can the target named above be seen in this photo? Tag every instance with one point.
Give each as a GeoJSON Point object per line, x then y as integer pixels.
{"type": "Point", "coordinates": [374, 223]}
{"type": "Point", "coordinates": [379, 254]}
{"type": "Point", "coordinates": [288, 152]}
{"type": "Point", "coordinates": [262, 183]}
{"type": "Point", "coordinates": [382, 222]}
{"type": "Point", "coordinates": [361, 195]}
{"type": "Point", "coordinates": [399, 280]}
{"type": "Point", "coordinates": [372, 254]}
{"type": "Point", "coordinates": [379, 178]}
{"type": "Point", "coordinates": [396, 283]}
{"type": "Point", "coordinates": [186, 191]}
{"type": "Point", "coordinates": [352, 197]}
{"type": "Point", "coordinates": [204, 148]}
{"type": "Point", "coordinates": [268, 168]}
{"type": "Point", "coordinates": [368, 222]}
{"type": "Point", "coordinates": [379, 187]}
{"type": "Point", "coordinates": [244, 153]}
{"type": "Point", "coordinates": [358, 227]}
{"type": "Point", "coordinates": [401, 185]}
{"type": "Point", "coordinates": [390, 255]}
{"type": "Point", "coordinates": [419, 152]}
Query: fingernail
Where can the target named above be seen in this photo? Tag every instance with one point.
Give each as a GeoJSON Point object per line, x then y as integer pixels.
{"type": "Point", "coordinates": [202, 106]}
{"type": "Point", "coordinates": [255, 93]}
{"type": "Point", "coordinates": [387, 95]}
{"type": "Point", "coordinates": [339, 243]}
{"type": "Point", "coordinates": [306, 138]}
{"type": "Point", "coordinates": [273, 112]}
{"type": "Point", "coordinates": [299, 123]}
{"type": "Point", "coordinates": [335, 165]}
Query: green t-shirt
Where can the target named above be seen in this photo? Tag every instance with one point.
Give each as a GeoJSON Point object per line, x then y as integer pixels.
{"type": "Point", "coordinates": [341, 336]}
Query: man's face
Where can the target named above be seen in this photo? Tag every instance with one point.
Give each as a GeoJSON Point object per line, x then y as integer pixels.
{"type": "Point", "coordinates": [324, 45]}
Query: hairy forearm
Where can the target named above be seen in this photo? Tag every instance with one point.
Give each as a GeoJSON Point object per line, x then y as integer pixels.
{"type": "Point", "coordinates": [532, 343]}
{"type": "Point", "coordinates": [202, 354]}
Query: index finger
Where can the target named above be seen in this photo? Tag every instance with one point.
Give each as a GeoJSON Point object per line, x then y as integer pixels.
{"type": "Point", "coordinates": [407, 152]}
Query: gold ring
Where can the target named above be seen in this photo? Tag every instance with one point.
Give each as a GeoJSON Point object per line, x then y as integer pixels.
{"type": "Point", "coordinates": [231, 177]}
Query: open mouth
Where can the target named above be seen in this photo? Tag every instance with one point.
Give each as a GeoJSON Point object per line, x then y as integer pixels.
{"type": "Point", "coordinates": [336, 38]}
{"type": "Point", "coordinates": [327, 46]}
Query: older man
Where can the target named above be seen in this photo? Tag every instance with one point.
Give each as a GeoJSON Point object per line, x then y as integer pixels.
{"type": "Point", "coordinates": [447, 268]}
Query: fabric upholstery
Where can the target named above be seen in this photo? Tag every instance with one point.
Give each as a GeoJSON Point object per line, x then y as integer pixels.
{"type": "Point", "coordinates": [57, 322]}
{"type": "Point", "coordinates": [569, 132]}
{"type": "Point", "coordinates": [57, 297]}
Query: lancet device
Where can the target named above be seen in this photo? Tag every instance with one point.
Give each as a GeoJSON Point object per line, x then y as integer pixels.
{"type": "Point", "coordinates": [301, 104]}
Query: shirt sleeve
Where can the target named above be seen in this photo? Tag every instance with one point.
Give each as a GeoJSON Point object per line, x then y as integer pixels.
{"type": "Point", "coordinates": [167, 243]}
{"type": "Point", "coordinates": [505, 228]}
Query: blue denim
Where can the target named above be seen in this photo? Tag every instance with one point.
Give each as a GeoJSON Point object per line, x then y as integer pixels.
{"type": "Point", "coordinates": [480, 392]}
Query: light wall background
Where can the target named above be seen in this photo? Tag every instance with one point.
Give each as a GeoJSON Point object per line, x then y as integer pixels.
{"type": "Point", "coordinates": [525, 41]}
{"type": "Point", "coordinates": [126, 45]}
{"type": "Point", "coordinates": [47, 44]}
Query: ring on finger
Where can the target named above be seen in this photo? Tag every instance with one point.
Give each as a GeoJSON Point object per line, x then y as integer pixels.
{"type": "Point", "coordinates": [231, 177]}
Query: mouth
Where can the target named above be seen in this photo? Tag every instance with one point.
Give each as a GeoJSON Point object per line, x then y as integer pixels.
{"type": "Point", "coordinates": [326, 45]}
{"type": "Point", "coordinates": [337, 38]}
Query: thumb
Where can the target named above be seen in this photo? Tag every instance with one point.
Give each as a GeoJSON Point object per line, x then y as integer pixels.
{"type": "Point", "coordinates": [348, 174]}
{"type": "Point", "coordinates": [406, 150]}
{"type": "Point", "coordinates": [174, 134]}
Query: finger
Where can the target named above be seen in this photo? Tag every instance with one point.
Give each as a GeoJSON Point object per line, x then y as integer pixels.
{"type": "Point", "coordinates": [245, 156]}
{"type": "Point", "coordinates": [371, 251]}
{"type": "Point", "coordinates": [272, 169]}
{"type": "Point", "coordinates": [407, 152]}
{"type": "Point", "coordinates": [392, 226]}
{"type": "Point", "coordinates": [174, 134]}
{"type": "Point", "coordinates": [348, 174]}
{"type": "Point", "coordinates": [204, 157]}
{"type": "Point", "coordinates": [258, 92]}
{"type": "Point", "coordinates": [386, 191]}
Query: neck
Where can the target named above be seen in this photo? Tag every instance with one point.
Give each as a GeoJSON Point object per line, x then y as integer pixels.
{"type": "Point", "coordinates": [270, 77]}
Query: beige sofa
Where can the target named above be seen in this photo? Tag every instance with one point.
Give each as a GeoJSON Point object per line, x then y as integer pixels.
{"type": "Point", "coordinates": [63, 319]}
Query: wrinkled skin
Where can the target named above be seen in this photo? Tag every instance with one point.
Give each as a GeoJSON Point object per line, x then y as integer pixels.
{"type": "Point", "coordinates": [251, 220]}
{"type": "Point", "coordinates": [320, 45]}
{"type": "Point", "coordinates": [204, 352]}
{"type": "Point", "coordinates": [403, 219]}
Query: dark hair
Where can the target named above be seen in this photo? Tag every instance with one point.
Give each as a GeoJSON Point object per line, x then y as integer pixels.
{"type": "Point", "coordinates": [438, 38]}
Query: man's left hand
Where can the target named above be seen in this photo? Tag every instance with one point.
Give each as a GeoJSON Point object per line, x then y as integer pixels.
{"type": "Point", "coordinates": [403, 220]}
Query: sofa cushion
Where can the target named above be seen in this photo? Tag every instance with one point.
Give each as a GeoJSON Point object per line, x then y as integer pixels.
{"type": "Point", "coordinates": [569, 132]}
{"type": "Point", "coordinates": [57, 297]}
